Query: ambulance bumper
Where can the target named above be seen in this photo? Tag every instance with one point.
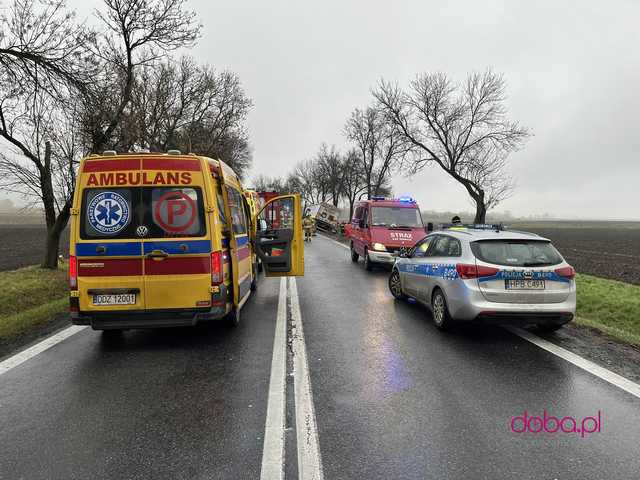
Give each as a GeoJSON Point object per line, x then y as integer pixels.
{"type": "Point", "coordinates": [147, 319]}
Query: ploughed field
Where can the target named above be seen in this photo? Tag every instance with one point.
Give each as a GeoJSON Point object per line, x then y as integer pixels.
{"type": "Point", "coordinates": [24, 245]}
{"type": "Point", "coordinates": [604, 249]}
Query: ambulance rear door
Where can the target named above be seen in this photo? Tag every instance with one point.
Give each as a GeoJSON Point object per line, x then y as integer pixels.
{"type": "Point", "coordinates": [279, 240]}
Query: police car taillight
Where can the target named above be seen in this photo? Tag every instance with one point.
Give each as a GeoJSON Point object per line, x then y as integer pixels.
{"type": "Point", "coordinates": [475, 271]}
{"type": "Point", "coordinates": [216, 267]}
{"type": "Point", "coordinates": [566, 272]}
{"type": "Point", "coordinates": [73, 272]}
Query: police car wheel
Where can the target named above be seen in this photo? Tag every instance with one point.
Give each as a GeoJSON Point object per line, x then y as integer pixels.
{"type": "Point", "coordinates": [440, 311]}
{"type": "Point", "coordinates": [368, 265]}
{"type": "Point", "coordinates": [395, 286]}
{"type": "Point", "coordinates": [354, 254]}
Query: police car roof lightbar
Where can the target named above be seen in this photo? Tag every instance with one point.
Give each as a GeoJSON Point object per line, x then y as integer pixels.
{"type": "Point", "coordinates": [475, 226]}
{"type": "Point", "coordinates": [378, 198]}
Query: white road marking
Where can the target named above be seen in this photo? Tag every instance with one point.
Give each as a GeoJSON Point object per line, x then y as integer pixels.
{"type": "Point", "coordinates": [335, 241]}
{"type": "Point", "coordinates": [309, 461]}
{"type": "Point", "coordinates": [38, 348]}
{"type": "Point", "coordinates": [273, 448]}
{"type": "Point", "coordinates": [600, 372]}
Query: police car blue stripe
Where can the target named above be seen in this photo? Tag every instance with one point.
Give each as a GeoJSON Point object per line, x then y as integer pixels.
{"type": "Point", "coordinates": [427, 270]}
{"type": "Point", "coordinates": [111, 249]}
{"type": "Point", "coordinates": [177, 247]}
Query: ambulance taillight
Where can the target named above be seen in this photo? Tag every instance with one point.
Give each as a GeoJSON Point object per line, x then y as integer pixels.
{"type": "Point", "coordinates": [216, 267]}
{"type": "Point", "coordinates": [73, 272]}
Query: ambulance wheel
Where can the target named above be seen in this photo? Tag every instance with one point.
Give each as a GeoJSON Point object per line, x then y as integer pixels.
{"type": "Point", "coordinates": [395, 286]}
{"type": "Point", "coordinates": [233, 318]}
{"type": "Point", "coordinates": [368, 265]}
{"type": "Point", "coordinates": [440, 311]}
{"type": "Point", "coordinates": [354, 255]}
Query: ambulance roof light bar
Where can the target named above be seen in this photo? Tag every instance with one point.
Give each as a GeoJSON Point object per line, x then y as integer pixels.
{"type": "Point", "coordinates": [109, 153]}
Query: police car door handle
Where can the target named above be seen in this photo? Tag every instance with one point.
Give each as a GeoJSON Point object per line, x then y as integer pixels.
{"type": "Point", "coordinates": [159, 254]}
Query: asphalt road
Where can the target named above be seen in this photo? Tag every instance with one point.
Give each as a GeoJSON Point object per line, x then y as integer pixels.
{"type": "Point", "coordinates": [393, 397]}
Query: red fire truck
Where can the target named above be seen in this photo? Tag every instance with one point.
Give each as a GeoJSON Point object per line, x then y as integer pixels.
{"type": "Point", "coordinates": [381, 226]}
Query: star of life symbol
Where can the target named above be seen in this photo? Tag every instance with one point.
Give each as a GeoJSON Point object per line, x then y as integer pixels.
{"type": "Point", "coordinates": [108, 212]}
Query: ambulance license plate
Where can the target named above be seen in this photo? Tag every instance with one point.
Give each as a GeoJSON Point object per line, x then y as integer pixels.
{"type": "Point", "coordinates": [114, 299]}
{"type": "Point", "coordinates": [524, 284]}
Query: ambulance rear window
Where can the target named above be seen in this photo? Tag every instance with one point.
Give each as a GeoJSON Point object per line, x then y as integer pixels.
{"type": "Point", "coordinates": [149, 212]}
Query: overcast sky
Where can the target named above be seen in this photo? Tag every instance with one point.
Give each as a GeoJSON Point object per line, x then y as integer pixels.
{"type": "Point", "coordinates": [572, 72]}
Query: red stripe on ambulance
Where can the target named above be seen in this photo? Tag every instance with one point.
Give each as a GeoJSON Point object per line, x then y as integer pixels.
{"type": "Point", "coordinates": [109, 267]}
{"type": "Point", "coordinates": [170, 164]}
{"type": "Point", "coordinates": [177, 266]}
{"type": "Point", "coordinates": [111, 165]}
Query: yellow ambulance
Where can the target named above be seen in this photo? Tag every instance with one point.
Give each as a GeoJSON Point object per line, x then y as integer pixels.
{"type": "Point", "coordinates": [166, 240]}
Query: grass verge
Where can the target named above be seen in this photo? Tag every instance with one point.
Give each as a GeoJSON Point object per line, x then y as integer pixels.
{"type": "Point", "coordinates": [609, 306]}
{"type": "Point", "coordinates": [30, 297]}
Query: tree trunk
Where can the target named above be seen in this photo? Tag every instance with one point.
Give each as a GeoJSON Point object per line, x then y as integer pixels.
{"type": "Point", "coordinates": [481, 209]}
{"type": "Point", "coordinates": [53, 237]}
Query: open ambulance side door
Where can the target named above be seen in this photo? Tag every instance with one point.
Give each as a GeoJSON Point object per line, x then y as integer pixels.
{"type": "Point", "coordinates": [279, 240]}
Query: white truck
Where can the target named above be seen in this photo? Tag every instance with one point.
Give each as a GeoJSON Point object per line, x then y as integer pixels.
{"type": "Point", "coordinates": [325, 215]}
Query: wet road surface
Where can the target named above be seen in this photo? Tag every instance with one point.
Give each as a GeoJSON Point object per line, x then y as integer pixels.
{"type": "Point", "coordinates": [393, 397]}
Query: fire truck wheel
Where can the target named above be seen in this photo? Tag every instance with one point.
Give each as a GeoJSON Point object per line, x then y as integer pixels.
{"type": "Point", "coordinates": [354, 255]}
{"type": "Point", "coordinates": [368, 265]}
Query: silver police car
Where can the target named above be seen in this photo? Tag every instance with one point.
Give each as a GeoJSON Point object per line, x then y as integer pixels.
{"type": "Point", "coordinates": [489, 274]}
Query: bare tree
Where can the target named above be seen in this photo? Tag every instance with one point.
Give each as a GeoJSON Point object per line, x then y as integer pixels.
{"type": "Point", "coordinates": [463, 128]}
{"type": "Point", "coordinates": [38, 162]}
{"type": "Point", "coordinates": [189, 107]}
{"type": "Point", "coordinates": [139, 32]}
{"type": "Point", "coordinates": [381, 149]}
{"type": "Point", "coordinates": [47, 62]}
{"type": "Point", "coordinates": [353, 180]}
{"type": "Point", "coordinates": [41, 44]}
{"type": "Point", "coordinates": [329, 174]}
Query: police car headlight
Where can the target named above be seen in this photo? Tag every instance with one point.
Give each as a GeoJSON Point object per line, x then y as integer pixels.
{"type": "Point", "coordinates": [379, 247]}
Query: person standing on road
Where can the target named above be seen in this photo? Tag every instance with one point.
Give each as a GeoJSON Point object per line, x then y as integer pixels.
{"type": "Point", "coordinates": [307, 225]}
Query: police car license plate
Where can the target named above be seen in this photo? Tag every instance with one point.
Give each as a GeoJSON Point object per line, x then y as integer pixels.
{"type": "Point", "coordinates": [115, 299]}
{"type": "Point", "coordinates": [524, 284]}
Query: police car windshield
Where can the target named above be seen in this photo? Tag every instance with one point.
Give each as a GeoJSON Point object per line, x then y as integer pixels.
{"type": "Point", "coordinates": [396, 217]}
{"type": "Point", "coordinates": [516, 253]}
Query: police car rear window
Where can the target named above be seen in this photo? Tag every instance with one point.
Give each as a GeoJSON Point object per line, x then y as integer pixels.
{"type": "Point", "coordinates": [164, 212]}
{"type": "Point", "coordinates": [516, 253]}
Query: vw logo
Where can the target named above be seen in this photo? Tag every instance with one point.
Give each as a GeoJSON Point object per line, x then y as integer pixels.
{"type": "Point", "coordinates": [527, 273]}
{"type": "Point", "coordinates": [142, 231]}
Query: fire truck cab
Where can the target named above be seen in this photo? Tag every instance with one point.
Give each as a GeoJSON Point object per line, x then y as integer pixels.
{"type": "Point", "coordinates": [380, 227]}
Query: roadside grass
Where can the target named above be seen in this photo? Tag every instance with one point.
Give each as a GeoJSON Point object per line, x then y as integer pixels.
{"type": "Point", "coordinates": [609, 306]}
{"type": "Point", "coordinates": [29, 297]}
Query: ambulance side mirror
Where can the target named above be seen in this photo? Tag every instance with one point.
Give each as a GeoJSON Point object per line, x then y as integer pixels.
{"type": "Point", "coordinates": [429, 228]}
